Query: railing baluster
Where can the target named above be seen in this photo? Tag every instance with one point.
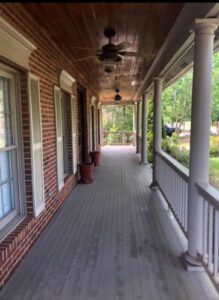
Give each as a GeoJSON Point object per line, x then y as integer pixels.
{"type": "Point", "coordinates": [210, 236]}
{"type": "Point", "coordinates": [216, 244]}
{"type": "Point", "coordinates": [205, 230]}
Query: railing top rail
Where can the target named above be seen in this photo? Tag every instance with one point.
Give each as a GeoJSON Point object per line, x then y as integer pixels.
{"type": "Point", "coordinates": [107, 131]}
{"type": "Point", "coordinates": [210, 193]}
{"type": "Point", "coordinates": [174, 164]}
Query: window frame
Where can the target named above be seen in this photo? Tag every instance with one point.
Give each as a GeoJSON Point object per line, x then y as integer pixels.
{"type": "Point", "coordinates": [11, 220]}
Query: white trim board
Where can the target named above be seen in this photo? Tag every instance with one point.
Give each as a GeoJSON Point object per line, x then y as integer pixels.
{"type": "Point", "coordinates": [66, 81]}
{"type": "Point", "coordinates": [14, 46]}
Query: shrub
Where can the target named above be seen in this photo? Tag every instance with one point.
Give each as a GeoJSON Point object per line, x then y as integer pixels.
{"type": "Point", "coordinates": [172, 149]}
{"type": "Point", "coordinates": [214, 146]}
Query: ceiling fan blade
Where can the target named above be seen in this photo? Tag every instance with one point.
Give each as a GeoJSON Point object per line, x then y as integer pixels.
{"type": "Point", "coordinates": [85, 58]}
{"type": "Point", "coordinates": [123, 45]}
{"type": "Point", "coordinates": [84, 48]}
{"type": "Point", "coordinates": [111, 99]}
{"type": "Point", "coordinates": [129, 53]}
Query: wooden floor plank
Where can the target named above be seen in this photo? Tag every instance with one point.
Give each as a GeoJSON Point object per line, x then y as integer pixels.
{"type": "Point", "coordinates": [113, 239]}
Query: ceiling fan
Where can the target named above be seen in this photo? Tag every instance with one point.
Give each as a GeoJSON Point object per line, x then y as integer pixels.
{"type": "Point", "coordinates": [117, 98]}
{"type": "Point", "coordinates": [109, 52]}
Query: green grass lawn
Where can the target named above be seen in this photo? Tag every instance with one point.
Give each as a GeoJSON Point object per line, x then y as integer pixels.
{"type": "Point", "coordinates": [214, 171]}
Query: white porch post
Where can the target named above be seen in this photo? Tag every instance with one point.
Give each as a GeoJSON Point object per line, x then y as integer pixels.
{"type": "Point", "coordinates": [134, 123]}
{"type": "Point", "coordinates": [138, 127]}
{"type": "Point", "coordinates": [101, 125]}
{"type": "Point", "coordinates": [144, 130]}
{"type": "Point", "coordinates": [200, 133]}
{"type": "Point", "coordinates": [157, 123]}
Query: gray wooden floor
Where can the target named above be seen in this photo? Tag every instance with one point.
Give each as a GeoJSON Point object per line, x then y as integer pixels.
{"type": "Point", "coordinates": [112, 239]}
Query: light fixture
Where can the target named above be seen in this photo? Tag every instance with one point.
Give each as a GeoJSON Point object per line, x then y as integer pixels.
{"type": "Point", "coordinates": [133, 82]}
{"type": "Point", "coordinates": [117, 98]}
{"type": "Point", "coordinates": [109, 65]}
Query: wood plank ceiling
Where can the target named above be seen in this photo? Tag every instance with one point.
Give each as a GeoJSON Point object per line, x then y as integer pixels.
{"type": "Point", "coordinates": [143, 25]}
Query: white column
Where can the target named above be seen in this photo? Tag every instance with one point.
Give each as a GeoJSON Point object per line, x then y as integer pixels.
{"type": "Point", "coordinates": [101, 126]}
{"type": "Point", "coordinates": [138, 127]}
{"type": "Point", "coordinates": [134, 123]}
{"type": "Point", "coordinates": [144, 130]}
{"type": "Point", "coordinates": [200, 133]}
{"type": "Point", "coordinates": [157, 123]}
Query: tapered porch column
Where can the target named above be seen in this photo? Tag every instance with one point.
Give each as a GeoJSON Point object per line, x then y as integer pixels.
{"type": "Point", "coordinates": [157, 123]}
{"type": "Point", "coordinates": [200, 132]}
{"type": "Point", "coordinates": [144, 159]}
{"type": "Point", "coordinates": [101, 125]}
{"type": "Point", "coordinates": [134, 123]}
{"type": "Point", "coordinates": [138, 127]}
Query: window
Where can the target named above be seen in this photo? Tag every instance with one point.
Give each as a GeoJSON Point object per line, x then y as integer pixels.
{"type": "Point", "coordinates": [9, 150]}
{"type": "Point", "coordinates": [65, 135]}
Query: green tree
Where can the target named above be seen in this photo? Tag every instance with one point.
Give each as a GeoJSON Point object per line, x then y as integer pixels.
{"type": "Point", "coordinates": [177, 101]}
{"type": "Point", "coordinates": [215, 88]}
{"type": "Point", "coordinates": [118, 117]}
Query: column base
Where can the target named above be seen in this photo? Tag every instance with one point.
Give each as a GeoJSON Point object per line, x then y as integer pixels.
{"type": "Point", "coordinates": [153, 186]}
{"type": "Point", "coordinates": [143, 163]}
{"type": "Point", "coordinates": [191, 263]}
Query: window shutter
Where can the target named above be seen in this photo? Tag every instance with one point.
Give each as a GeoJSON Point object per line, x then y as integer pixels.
{"type": "Point", "coordinates": [36, 145]}
{"type": "Point", "coordinates": [74, 140]}
{"type": "Point", "coordinates": [59, 138]}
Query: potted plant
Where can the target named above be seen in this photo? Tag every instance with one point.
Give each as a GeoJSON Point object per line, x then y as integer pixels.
{"type": "Point", "coordinates": [95, 157]}
{"type": "Point", "coordinates": [86, 171]}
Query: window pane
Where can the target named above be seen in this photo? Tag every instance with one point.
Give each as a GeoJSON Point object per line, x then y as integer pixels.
{"type": "Point", "coordinates": [6, 137]}
{"type": "Point", "coordinates": [5, 173]}
{"type": "Point", "coordinates": [7, 199]}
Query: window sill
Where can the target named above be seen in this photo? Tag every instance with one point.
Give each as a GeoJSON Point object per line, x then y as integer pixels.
{"type": "Point", "coordinates": [11, 226]}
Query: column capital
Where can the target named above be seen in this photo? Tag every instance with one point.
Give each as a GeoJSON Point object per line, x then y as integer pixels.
{"type": "Point", "coordinates": [159, 79]}
{"type": "Point", "coordinates": [205, 25]}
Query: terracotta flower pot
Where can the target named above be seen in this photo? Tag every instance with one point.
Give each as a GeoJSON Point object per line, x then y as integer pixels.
{"type": "Point", "coordinates": [95, 157]}
{"type": "Point", "coordinates": [86, 170]}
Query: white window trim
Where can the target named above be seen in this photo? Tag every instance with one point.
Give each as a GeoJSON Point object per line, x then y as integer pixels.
{"type": "Point", "coordinates": [74, 136]}
{"type": "Point", "coordinates": [14, 218]}
{"type": "Point", "coordinates": [66, 81]}
{"type": "Point", "coordinates": [14, 46]}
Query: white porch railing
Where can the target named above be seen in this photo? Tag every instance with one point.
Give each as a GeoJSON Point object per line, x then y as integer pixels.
{"type": "Point", "coordinates": [172, 179]}
{"type": "Point", "coordinates": [210, 250]}
{"type": "Point", "coordinates": [118, 137]}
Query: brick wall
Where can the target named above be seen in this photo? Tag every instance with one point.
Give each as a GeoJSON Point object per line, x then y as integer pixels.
{"type": "Point", "coordinates": [46, 62]}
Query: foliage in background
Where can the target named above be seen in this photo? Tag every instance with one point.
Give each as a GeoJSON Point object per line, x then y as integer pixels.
{"type": "Point", "coordinates": [177, 101]}
{"type": "Point", "coordinates": [150, 129]}
{"type": "Point", "coordinates": [215, 88]}
{"type": "Point", "coordinates": [177, 97]}
{"type": "Point", "coordinates": [171, 146]}
{"type": "Point", "coordinates": [118, 117]}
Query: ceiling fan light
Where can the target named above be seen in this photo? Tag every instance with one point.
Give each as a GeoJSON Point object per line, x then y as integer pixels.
{"type": "Point", "coordinates": [117, 101]}
{"type": "Point", "coordinates": [109, 66]}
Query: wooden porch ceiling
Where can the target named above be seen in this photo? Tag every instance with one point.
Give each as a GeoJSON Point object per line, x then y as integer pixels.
{"type": "Point", "coordinates": [143, 25]}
